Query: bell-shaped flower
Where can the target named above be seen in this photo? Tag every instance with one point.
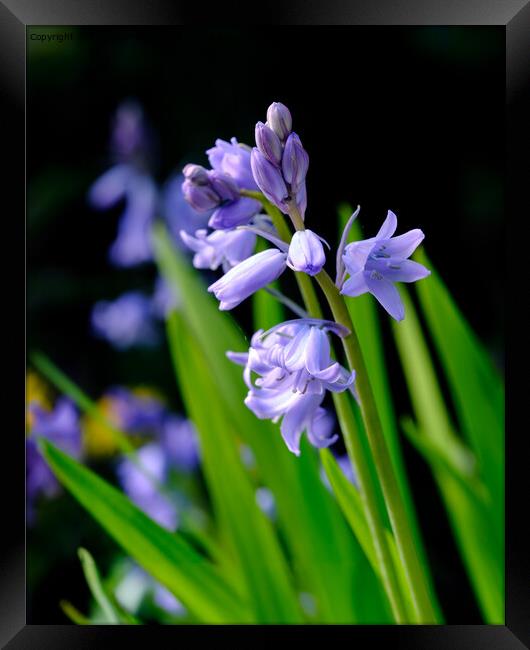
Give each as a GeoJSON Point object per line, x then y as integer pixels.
{"type": "Point", "coordinates": [306, 253]}
{"type": "Point", "coordinates": [221, 247]}
{"type": "Point", "coordinates": [244, 279]}
{"type": "Point", "coordinates": [233, 158]}
{"type": "Point", "coordinates": [294, 367]}
{"type": "Point", "coordinates": [375, 264]}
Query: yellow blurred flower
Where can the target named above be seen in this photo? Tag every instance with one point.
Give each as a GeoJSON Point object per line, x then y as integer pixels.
{"type": "Point", "coordinates": [37, 392]}
{"type": "Point", "coordinates": [99, 441]}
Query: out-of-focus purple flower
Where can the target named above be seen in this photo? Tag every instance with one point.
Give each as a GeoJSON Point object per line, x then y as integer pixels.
{"type": "Point", "coordinates": [306, 253]}
{"type": "Point", "coordinates": [135, 412]}
{"type": "Point", "coordinates": [164, 599]}
{"type": "Point", "coordinates": [217, 190]}
{"type": "Point", "coordinates": [141, 486]}
{"type": "Point", "coordinates": [233, 158]}
{"type": "Point", "coordinates": [346, 466]}
{"type": "Point", "coordinates": [295, 368]}
{"type": "Point", "coordinates": [279, 161]}
{"type": "Point", "coordinates": [181, 444]}
{"type": "Point", "coordinates": [129, 180]}
{"type": "Point", "coordinates": [375, 264]}
{"type": "Point", "coordinates": [165, 298]}
{"type": "Point", "coordinates": [224, 248]}
{"type": "Point", "coordinates": [126, 321]}
{"type": "Point", "coordinates": [177, 212]}
{"type": "Point", "coordinates": [279, 120]}
{"type": "Point", "coordinates": [133, 246]}
{"type": "Point", "coordinates": [246, 278]}
{"type": "Point", "coordinates": [60, 426]}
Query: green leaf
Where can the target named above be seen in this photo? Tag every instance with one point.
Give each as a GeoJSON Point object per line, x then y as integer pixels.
{"type": "Point", "coordinates": [475, 528]}
{"type": "Point", "coordinates": [170, 560]}
{"type": "Point", "coordinates": [74, 614]}
{"type": "Point", "coordinates": [254, 543]}
{"type": "Point", "coordinates": [326, 565]}
{"type": "Point", "coordinates": [110, 613]}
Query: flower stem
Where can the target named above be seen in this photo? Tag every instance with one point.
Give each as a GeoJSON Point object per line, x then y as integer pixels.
{"type": "Point", "coordinates": [416, 579]}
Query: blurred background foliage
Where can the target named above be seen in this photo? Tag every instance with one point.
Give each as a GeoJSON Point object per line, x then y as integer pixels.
{"type": "Point", "coordinates": [409, 119]}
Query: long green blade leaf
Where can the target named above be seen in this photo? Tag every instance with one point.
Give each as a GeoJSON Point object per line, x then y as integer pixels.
{"type": "Point", "coordinates": [170, 560]}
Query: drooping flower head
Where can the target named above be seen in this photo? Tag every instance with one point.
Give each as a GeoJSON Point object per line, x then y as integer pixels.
{"type": "Point", "coordinates": [225, 248]}
{"type": "Point", "coordinates": [295, 369]}
{"type": "Point", "coordinates": [279, 161]}
{"type": "Point", "coordinates": [375, 264]}
{"type": "Point", "coordinates": [129, 179]}
{"type": "Point", "coordinates": [126, 321]}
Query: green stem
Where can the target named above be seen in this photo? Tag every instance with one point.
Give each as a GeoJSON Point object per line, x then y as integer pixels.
{"type": "Point", "coordinates": [396, 509]}
{"type": "Point", "coordinates": [417, 581]}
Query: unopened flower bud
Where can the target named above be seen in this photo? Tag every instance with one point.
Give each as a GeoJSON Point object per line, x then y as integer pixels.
{"type": "Point", "coordinates": [306, 253]}
{"type": "Point", "coordinates": [196, 173]}
{"type": "Point", "coordinates": [201, 197]}
{"type": "Point", "coordinates": [295, 162]}
{"type": "Point", "coordinates": [268, 143]}
{"type": "Point", "coordinates": [279, 119]}
{"type": "Point", "coordinates": [269, 179]}
{"type": "Point", "coordinates": [224, 186]}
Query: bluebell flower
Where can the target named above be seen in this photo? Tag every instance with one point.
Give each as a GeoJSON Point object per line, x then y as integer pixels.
{"type": "Point", "coordinates": [218, 191]}
{"type": "Point", "coordinates": [224, 248]}
{"type": "Point", "coordinates": [306, 253]}
{"type": "Point", "coordinates": [246, 278]}
{"type": "Point", "coordinates": [233, 158]}
{"type": "Point", "coordinates": [180, 442]}
{"type": "Point", "coordinates": [136, 411]}
{"type": "Point", "coordinates": [126, 321]}
{"type": "Point", "coordinates": [129, 180]}
{"type": "Point", "coordinates": [375, 264]}
{"type": "Point", "coordinates": [266, 501]}
{"type": "Point", "coordinates": [178, 213]}
{"type": "Point", "coordinates": [295, 369]}
{"type": "Point", "coordinates": [142, 489]}
{"type": "Point", "coordinates": [61, 427]}
{"type": "Point", "coordinates": [279, 120]}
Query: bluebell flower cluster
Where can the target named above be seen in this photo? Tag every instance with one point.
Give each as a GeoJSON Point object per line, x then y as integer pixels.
{"type": "Point", "coordinates": [295, 369]}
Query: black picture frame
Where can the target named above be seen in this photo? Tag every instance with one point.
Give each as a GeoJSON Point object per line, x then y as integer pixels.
{"type": "Point", "coordinates": [15, 16]}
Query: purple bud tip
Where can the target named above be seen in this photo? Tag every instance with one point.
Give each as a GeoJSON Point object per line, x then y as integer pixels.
{"type": "Point", "coordinates": [295, 162]}
{"type": "Point", "coordinates": [279, 120]}
{"type": "Point", "coordinates": [269, 179]}
{"type": "Point", "coordinates": [306, 253]}
{"type": "Point", "coordinates": [196, 174]}
{"type": "Point", "coordinates": [268, 143]}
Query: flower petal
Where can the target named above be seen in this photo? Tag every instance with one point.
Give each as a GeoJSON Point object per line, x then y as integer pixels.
{"type": "Point", "coordinates": [297, 418]}
{"type": "Point", "coordinates": [234, 214]}
{"type": "Point", "coordinates": [389, 226]}
{"type": "Point", "coordinates": [404, 245]}
{"type": "Point", "coordinates": [405, 271]}
{"type": "Point", "coordinates": [355, 285]}
{"type": "Point", "coordinates": [386, 293]}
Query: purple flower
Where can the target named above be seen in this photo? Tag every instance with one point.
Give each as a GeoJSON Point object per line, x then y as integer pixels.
{"type": "Point", "coordinates": [60, 426]}
{"type": "Point", "coordinates": [126, 321]}
{"type": "Point", "coordinates": [375, 264]}
{"type": "Point", "coordinates": [216, 190]}
{"type": "Point", "coordinates": [140, 484]}
{"type": "Point", "coordinates": [295, 368]}
{"type": "Point", "coordinates": [181, 444]}
{"type": "Point", "coordinates": [221, 247]}
{"type": "Point", "coordinates": [129, 180]}
{"type": "Point", "coordinates": [248, 276]}
{"type": "Point", "coordinates": [268, 143]}
{"type": "Point", "coordinates": [306, 253]}
{"type": "Point", "coordinates": [233, 158]}
{"type": "Point", "coordinates": [295, 162]}
{"type": "Point", "coordinates": [269, 179]}
{"type": "Point", "coordinates": [177, 212]}
{"type": "Point", "coordinates": [136, 412]}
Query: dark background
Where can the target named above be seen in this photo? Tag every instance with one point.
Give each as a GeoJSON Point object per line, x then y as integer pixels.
{"type": "Point", "coordinates": [410, 119]}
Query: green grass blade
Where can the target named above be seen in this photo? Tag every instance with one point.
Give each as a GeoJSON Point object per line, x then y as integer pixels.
{"type": "Point", "coordinates": [110, 613]}
{"type": "Point", "coordinates": [477, 533]}
{"type": "Point", "coordinates": [326, 565]}
{"type": "Point", "coordinates": [254, 543]}
{"type": "Point", "coordinates": [74, 614]}
{"type": "Point", "coordinates": [171, 561]}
